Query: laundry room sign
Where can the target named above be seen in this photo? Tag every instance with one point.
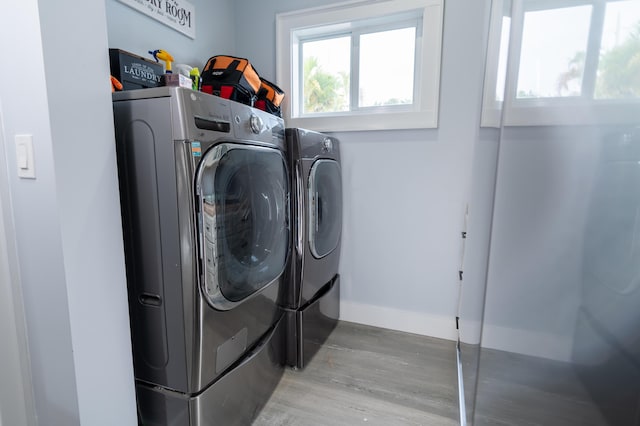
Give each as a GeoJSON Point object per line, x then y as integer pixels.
{"type": "Point", "coordinates": [177, 14]}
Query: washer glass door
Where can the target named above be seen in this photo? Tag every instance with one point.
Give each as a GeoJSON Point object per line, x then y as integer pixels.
{"type": "Point", "coordinates": [244, 225]}
{"type": "Point", "coordinates": [325, 207]}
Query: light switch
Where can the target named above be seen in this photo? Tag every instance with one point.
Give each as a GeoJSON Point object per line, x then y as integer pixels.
{"type": "Point", "coordinates": [24, 156]}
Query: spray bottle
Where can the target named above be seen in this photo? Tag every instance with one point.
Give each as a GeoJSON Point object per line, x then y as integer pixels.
{"type": "Point", "coordinates": [163, 55]}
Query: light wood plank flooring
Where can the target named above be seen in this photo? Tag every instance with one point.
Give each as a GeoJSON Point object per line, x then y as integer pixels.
{"type": "Point", "coordinates": [517, 389]}
{"type": "Point", "coordinates": [370, 376]}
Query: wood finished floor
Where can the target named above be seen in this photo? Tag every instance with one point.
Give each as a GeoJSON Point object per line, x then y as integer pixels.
{"type": "Point", "coordinates": [370, 376]}
{"type": "Point", "coordinates": [517, 389]}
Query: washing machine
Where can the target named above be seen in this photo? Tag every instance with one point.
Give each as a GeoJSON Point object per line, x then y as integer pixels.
{"type": "Point", "coordinates": [205, 205]}
{"type": "Point", "coordinates": [312, 301]}
{"type": "Point", "coordinates": [606, 343]}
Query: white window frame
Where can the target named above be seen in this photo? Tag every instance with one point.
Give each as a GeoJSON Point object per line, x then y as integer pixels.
{"type": "Point", "coordinates": [492, 107]}
{"type": "Point", "coordinates": [562, 110]}
{"type": "Point", "coordinates": [423, 113]}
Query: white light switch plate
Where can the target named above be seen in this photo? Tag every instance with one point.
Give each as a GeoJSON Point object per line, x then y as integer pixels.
{"type": "Point", "coordinates": [24, 156]}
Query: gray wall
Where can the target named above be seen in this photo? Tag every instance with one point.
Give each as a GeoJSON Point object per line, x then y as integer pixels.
{"type": "Point", "coordinates": [37, 223]}
{"type": "Point", "coordinates": [16, 403]}
{"type": "Point", "coordinates": [88, 204]}
{"type": "Point", "coordinates": [67, 246]}
{"type": "Point", "coordinates": [137, 33]}
{"type": "Point", "coordinates": [405, 192]}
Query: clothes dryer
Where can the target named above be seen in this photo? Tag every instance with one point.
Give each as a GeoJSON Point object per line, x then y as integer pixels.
{"type": "Point", "coordinates": [313, 297]}
{"type": "Point", "coordinates": [204, 192]}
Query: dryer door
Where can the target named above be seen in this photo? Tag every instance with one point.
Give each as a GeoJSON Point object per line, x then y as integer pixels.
{"type": "Point", "coordinates": [325, 207]}
{"type": "Point", "coordinates": [243, 221]}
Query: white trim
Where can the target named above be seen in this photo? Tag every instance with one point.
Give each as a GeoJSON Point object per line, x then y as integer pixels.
{"type": "Point", "coordinates": [527, 342]}
{"type": "Point", "coordinates": [423, 115]}
{"type": "Point", "coordinates": [442, 327]}
{"type": "Point", "coordinates": [519, 113]}
{"type": "Point", "coordinates": [470, 332]}
{"type": "Point", "coordinates": [491, 107]}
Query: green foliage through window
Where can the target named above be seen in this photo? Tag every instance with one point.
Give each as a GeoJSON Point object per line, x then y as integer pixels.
{"type": "Point", "coordinates": [323, 91]}
{"type": "Point", "coordinates": [619, 69]}
{"type": "Point", "coordinates": [618, 74]}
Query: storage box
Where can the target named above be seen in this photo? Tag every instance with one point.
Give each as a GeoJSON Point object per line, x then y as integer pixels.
{"type": "Point", "coordinates": [133, 71]}
{"type": "Point", "coordinates": [176, 80]}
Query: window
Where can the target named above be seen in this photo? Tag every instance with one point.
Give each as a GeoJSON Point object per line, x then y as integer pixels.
{"type": "Point", "coordinates": [361, 65]}
{"type": "Point", "coordinates": [552, 58]}
{"type": "Point", "coordinates": [325, 73]}
{"type": "Point", "coordinates": [577, 62]}
{"type": "Point", "coordinates": [384, 60]}
{"type": "Point", "coordinates": [618, 73]}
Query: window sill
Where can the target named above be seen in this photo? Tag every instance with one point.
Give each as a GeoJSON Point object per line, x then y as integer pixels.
{"type": "Point", "coordinates": [537, 113]}
{"type": "Point", "coordinates": [361, 122]}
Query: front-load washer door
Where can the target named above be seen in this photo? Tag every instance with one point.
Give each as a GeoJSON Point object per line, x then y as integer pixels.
{"type": "Point", "coordinates": [244, 226]}
{"type": "Point", "coordinates": [325, 207]}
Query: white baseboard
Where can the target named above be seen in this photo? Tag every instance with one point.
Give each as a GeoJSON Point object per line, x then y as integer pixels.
{"type": "Point", "coordinates": [527, 342]}
{"type": "Point", "coordinates": [443, 327]}
{"type": "Point", "coordinates": [470, 332]}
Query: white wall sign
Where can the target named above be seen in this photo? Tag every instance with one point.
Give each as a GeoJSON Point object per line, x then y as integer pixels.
{"type": "Point", "coordinates": [178, 14]}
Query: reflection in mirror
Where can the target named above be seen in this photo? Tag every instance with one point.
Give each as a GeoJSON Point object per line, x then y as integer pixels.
{"type": "Point", "coordinates": [594, 59]}
{"type": "Point", "coordinates": [496, 63]}
{"type": "Point", "coordinates": [606, 341]}
{"type": "Point", "coordinates": [588, 74]}
{"type": "Point", "coordinates": [617, 72]}
{"type": "Point", "coordinates": [544, 70]}
{"type": "Point", "coordinates": [560, 342]}
{"type": "Point", "coordinates": [559, 333]}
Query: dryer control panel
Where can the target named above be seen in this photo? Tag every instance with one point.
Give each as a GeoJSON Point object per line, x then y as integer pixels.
{"type": "Point", "coordinates": [256, 125]}
{"type": "Point", "coordinates": [209, 118]}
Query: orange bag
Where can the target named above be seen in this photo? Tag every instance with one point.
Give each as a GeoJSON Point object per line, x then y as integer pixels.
{"type": "Point", "coordinates": [230, 78]}
{"type": "Point", "coordinates": [270, 97]}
